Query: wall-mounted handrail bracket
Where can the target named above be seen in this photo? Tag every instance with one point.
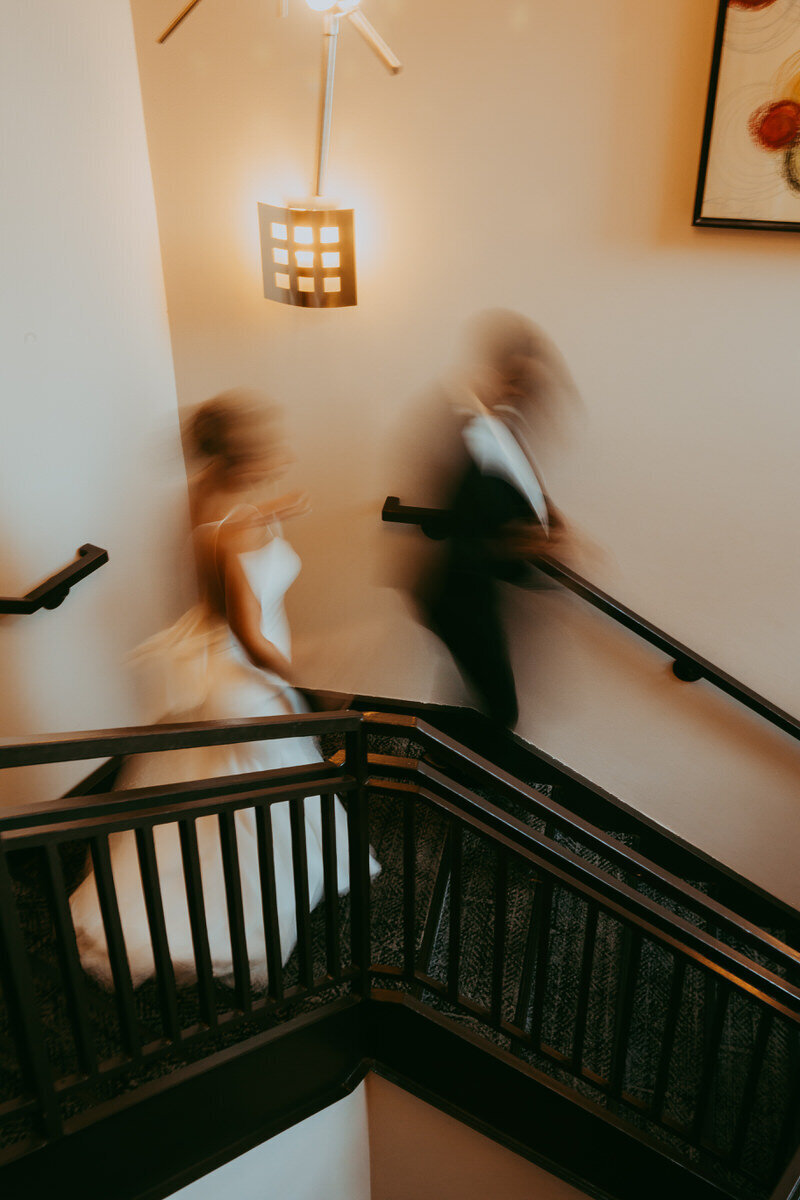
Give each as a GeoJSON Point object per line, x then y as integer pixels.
{"type": "Point", "coordinates": [433, 523]}
{"type": "Point", "coordinates": [686, 665]}
{"type": "Point", "coordinates": [686, 670]}
{"type": "Point", "coordinates": [55, 590]}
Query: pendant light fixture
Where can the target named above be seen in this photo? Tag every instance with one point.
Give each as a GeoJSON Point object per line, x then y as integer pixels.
{"type": "Point", "coordinates": [308, 246]}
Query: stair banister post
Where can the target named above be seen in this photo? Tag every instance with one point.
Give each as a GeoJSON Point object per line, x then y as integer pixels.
{"type": "Point", "coordinates": [20, 997]}
{"type": "Point", "coordinates": [358, 837]}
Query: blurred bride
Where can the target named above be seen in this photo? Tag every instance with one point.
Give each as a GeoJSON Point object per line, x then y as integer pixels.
{"type": "Point", "coordinates": [229, 657]}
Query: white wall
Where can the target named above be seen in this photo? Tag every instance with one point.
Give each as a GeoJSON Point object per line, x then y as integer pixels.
{"type": "Point", "coordinates": [542, 157]}
{"type": "Point", "coordinates": [325, 1155]}
{"type": "Point", "coordinates": [380, 1143]}
{"type": "Point", "coordinates": [88, 426]}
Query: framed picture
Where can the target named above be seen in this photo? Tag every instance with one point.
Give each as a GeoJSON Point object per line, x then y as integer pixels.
{"type": "Point", "coordinates": [750, 159]}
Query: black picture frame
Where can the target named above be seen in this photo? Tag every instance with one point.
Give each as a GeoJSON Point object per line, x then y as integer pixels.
{"type": "Point", "coordinates": [698, 218]}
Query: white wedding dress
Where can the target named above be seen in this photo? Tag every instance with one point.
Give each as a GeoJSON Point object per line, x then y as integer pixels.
{"type": "Point", "coordinates": [208, 677]}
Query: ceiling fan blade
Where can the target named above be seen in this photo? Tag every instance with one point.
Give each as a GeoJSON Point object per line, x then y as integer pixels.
{"type": "Point", "coordinates": [173, 25]}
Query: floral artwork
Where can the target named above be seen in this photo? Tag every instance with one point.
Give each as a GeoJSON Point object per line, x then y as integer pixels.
{"type": "Point", "coordinates": [750, 163]}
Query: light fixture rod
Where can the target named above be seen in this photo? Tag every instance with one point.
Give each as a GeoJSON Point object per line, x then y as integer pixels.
{"type": "Point", "coordinates": [173, 25]}
{"type": "Point", "coordinates": [330, 37]}
{"type": "Point", "coordinates": [375, 42]}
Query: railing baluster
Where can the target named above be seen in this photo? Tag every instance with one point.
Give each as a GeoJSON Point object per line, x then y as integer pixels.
{"type": "Point", "coordinates": [454, 945]}
{"type": "Point", "coordinates": [358, 837]}
{"type": "Point", "coordinates": [409, 886]}
{"type": "Point", "coordinates": [629, 965]}
{"type": "Point", "coordinates": [197, 919]}
{"type": "Point", "coordinates": [499, 950]}
{"type": "Point", "coordinates": [528, 959]}
{"type": "Point", "coordinates": [165, 974]}
{"type": "Point", "coordinates": [787, 1138]}
{"type": "Point", "coordinates": [584, 986]}
{"type": "Point", "coordinates": [74, 983]}
{"type": "Point", "coordinates": [716, 1024]}
{"type": "Point", "coordinates": [765, 1024]}
{"type": "Point", "coordinates": [543, 904]}
{"type": "Point", "coordinates": [20, 999]}
{"type": "Point", "coordinates": [269, 901]}
{"type": "Point", "coordinates": [300, 869]}
{"type": "Point", "coordinates": [115, 942]}
{"type": "Point", "coordinates": [668, 1037]}
{"type": "Point", "coordinates": [331, 876]}
{"type": "Point", "coordinates": [233, 896]}
{"type": "Point", "coordinates": [435, 910]}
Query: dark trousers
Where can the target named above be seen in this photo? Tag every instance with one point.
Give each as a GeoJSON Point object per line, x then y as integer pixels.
{"type": "Point", "coordinates": [465, 615]}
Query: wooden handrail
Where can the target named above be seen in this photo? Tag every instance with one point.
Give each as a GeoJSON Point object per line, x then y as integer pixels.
{"type": "Point", "coordinates": [625, 903]}
{"type": "Point", "coordinates": [73, 807]}
{"type": "Point", "coordinates": [164, 803]}
{"type": "Point", "coordinates": [105, 743]}
{"type": "Point", "coordinates": [166, 810]}
{"type": "Point", "coordinates": [55, 590]}
{"type": "Point", "coordinates": [486, 774]}
{"type": "Point", "coordinates": [687, 665]}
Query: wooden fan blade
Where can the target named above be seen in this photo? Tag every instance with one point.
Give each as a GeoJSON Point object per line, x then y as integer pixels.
{"type": "Point", "coordinates": [180, 17]}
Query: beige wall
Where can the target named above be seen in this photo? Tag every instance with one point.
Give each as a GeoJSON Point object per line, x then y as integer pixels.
{"type": "Point", "coordinates": [380, 1143]}
{"type": "Point", "coordinates": [542, 157]}
{"type": "Point", "coordinates": [325, 1155]}
{"type": "Point", "coordinates": [88, 419]}
{"type": "Point", "coordinates": [420, 1153]}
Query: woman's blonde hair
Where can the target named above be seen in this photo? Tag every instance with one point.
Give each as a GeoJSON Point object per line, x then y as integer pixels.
{"type": "Point", "coordinates": [236, 424]}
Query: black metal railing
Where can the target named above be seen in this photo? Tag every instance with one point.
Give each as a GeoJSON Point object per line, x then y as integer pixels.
{"type": "Point", "coordinates": [41, 837]}
{"type": "Point", "coordinates": [55, 590]}
{"type": "Point", "coordinates": [543, 949]}
{"type": "Point", "coordinates": [524, 1010]}
{"type": "Point", "coordinates": [634, 868]}
{"type": "Point", "coordinates": [687, 665]}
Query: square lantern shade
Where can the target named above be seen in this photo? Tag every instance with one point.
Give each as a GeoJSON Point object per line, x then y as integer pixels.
{"type": "Point", "coordinates": [308, 256]}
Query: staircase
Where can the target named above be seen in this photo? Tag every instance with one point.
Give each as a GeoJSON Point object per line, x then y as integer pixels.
{"type": "Point", "coordinates": [533, 957]}
{"type": "Point", "coordinates": [531, 963]}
